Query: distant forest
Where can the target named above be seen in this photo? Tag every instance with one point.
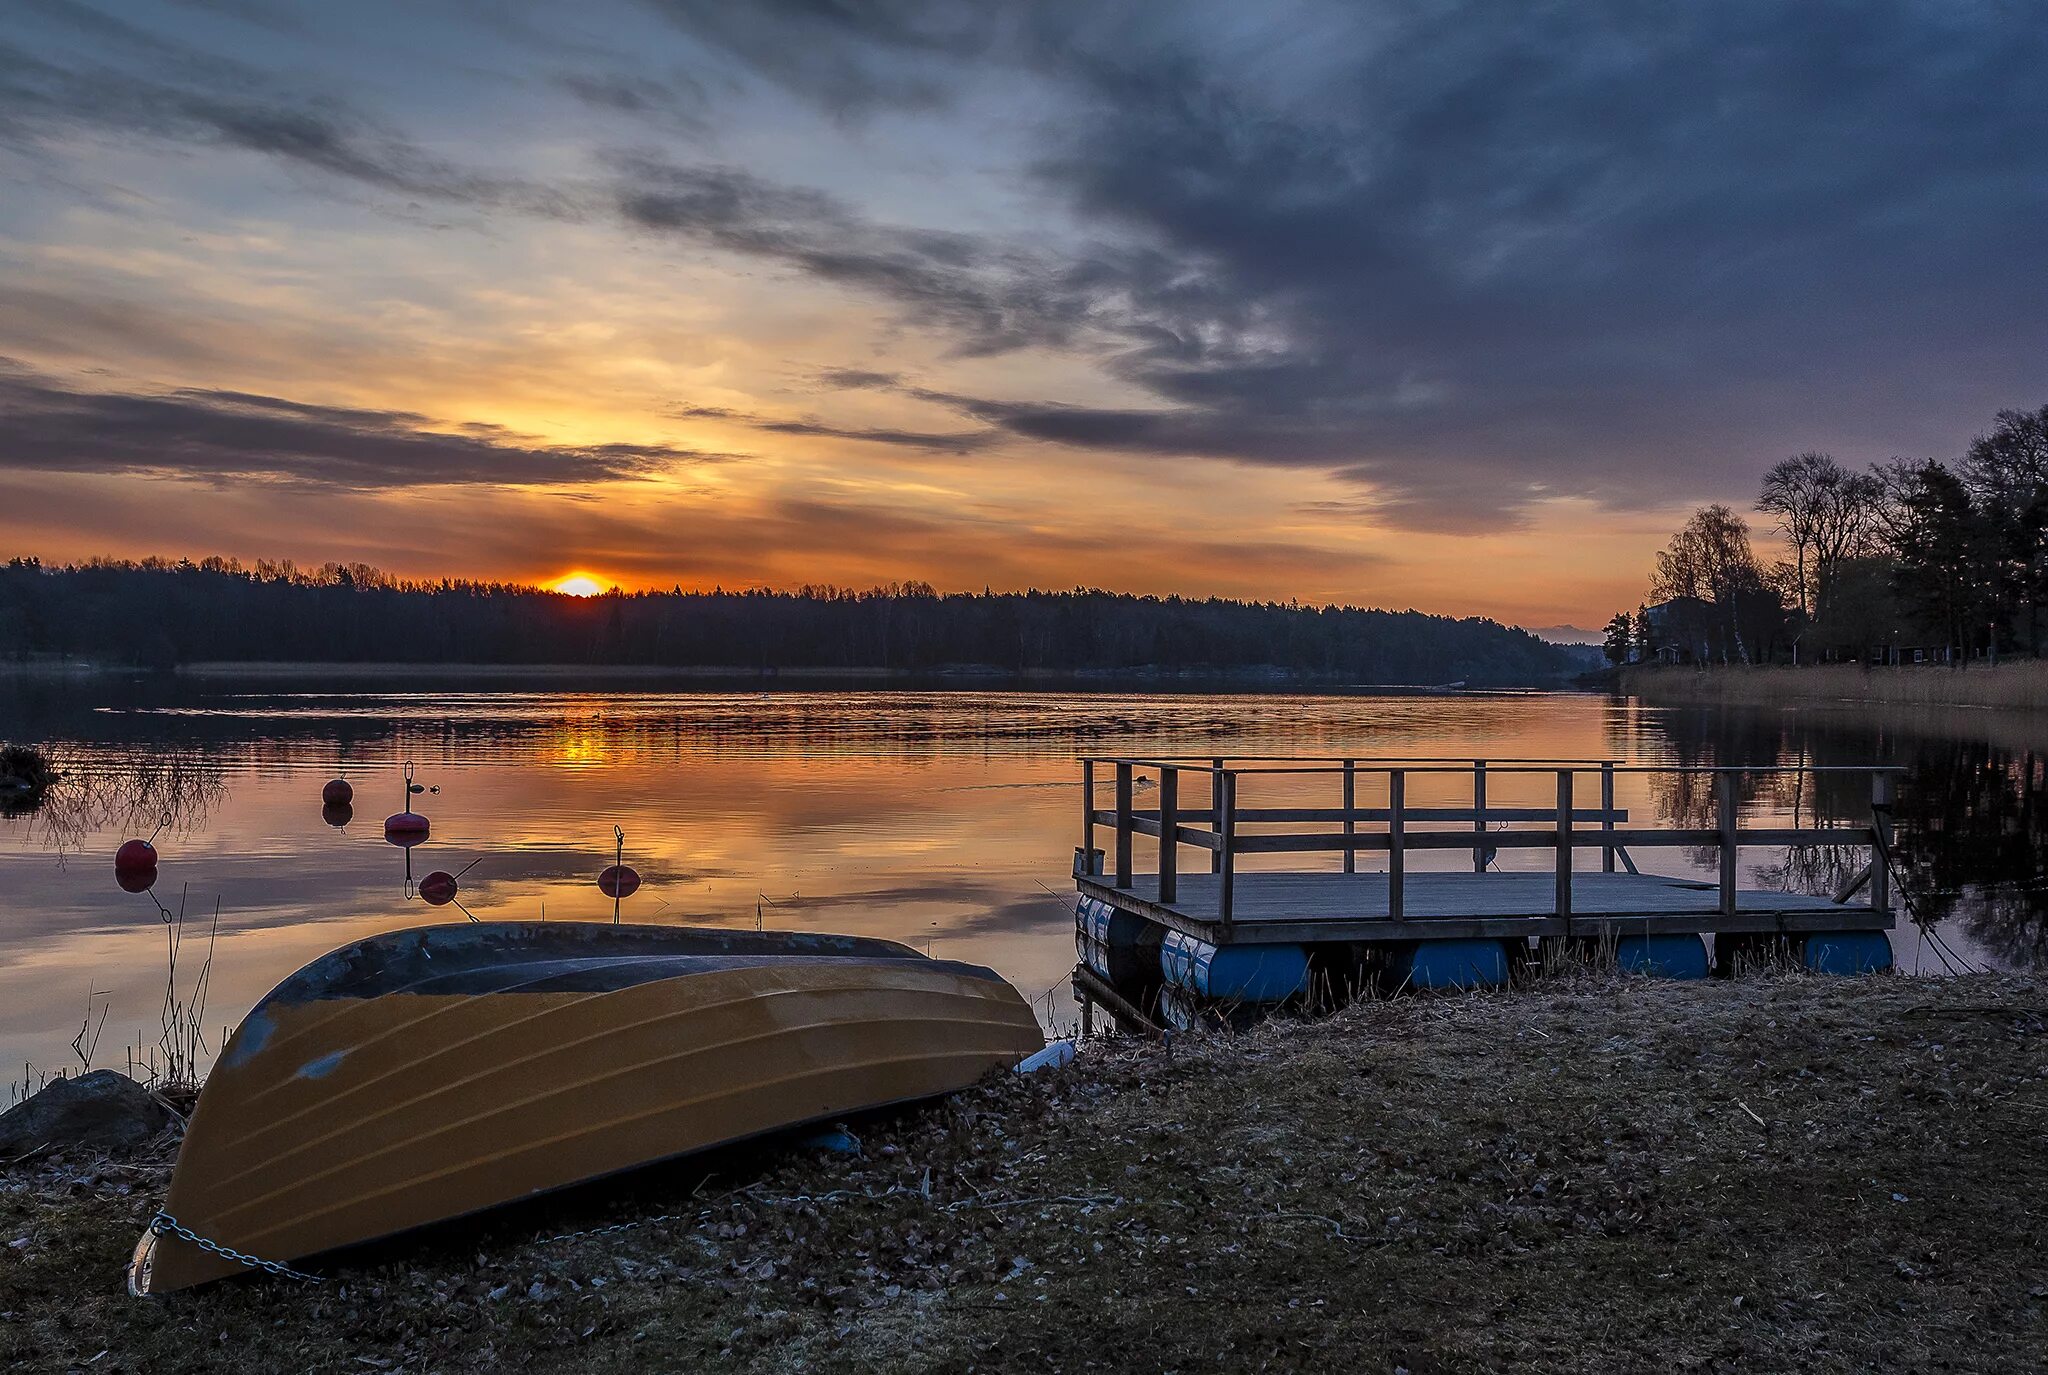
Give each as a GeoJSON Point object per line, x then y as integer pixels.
{"type": "Point", "coordinates": [159, 613]}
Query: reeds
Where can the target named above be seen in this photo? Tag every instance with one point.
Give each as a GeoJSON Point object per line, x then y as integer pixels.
{"type": "Point", "coordinates": [2017, 686]}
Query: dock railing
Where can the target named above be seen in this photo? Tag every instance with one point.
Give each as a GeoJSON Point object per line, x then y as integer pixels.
{"type": "Point", "coordinates": [1217, 825]}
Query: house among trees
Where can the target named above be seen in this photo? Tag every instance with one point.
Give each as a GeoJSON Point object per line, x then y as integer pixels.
{"type": "Point", "coordinates": [1904, 563]}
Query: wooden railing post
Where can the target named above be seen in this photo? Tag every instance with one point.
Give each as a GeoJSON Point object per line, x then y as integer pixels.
{"type": "Point", "coordinates": [1479, 814]}
{"type": "Point", "coordinates": [1216, 812]}
{"type": "Point", "coordinates": [1227, 811]}
{"type": "Point", "coordinates": [1123, 824]}
{"type": "Point", "coordinates": [1087, 816]}
{"type": "Point", "coordinates": [1564, 847]}
{"type": "Point", "coordinates": [1397, 843]}
{"type": "Point", "coordinates": [1350, 822]}
{"type": "Point", "coordinates": [1169, 826]}
{"type": "Point", "coordinates": [1607, 817]}
{"type": "Point", "coordinates": [1880, 851]}
{"type": "Point", "coordinates": [1724, 790]}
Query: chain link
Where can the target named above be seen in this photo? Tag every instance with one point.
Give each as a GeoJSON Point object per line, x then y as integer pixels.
{"type": "Point", "coordinates": [612, 1230]}
{"type": "Point", "coordinates": [163, 1224]}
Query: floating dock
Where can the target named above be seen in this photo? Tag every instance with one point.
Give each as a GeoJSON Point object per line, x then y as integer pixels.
{"type": "Point", "coordinates": [1283, 901]}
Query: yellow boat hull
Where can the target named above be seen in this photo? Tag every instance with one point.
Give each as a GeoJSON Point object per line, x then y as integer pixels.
{"type": "Point", "coordinates": [428, 1074]}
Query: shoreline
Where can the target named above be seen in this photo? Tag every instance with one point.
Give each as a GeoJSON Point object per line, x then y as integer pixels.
{"type": "Point", "coordinates": [1602, 1173]}
{"type": "Point", "coordinates": [2012, 686]}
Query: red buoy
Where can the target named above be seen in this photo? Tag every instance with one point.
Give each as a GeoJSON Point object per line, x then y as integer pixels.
{"type": "Point", "coordinates": [618, 881]}
{"type": "Point", "coordinates": [135, 856]}
{"type": "Point", "coordinates": [136, 880]}
{"type": "Point", "coordinates": [337, 793]}
{"type": "Point", "coordinates": [337, 814]}
{"type": "Point", "coordinates": [438, 888]}
{"type": "Point", "coordinates": [405, 828]}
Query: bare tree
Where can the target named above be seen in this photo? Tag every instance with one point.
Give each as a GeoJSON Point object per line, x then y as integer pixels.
{"type": "Point", "coordinates": [1710, 560]}
{"type": "Point", "coordinates": [1827, 514]}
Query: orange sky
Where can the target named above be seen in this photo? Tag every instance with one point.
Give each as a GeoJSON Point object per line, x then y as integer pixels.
{"type": "Point", "coordinates": [1342, 303]}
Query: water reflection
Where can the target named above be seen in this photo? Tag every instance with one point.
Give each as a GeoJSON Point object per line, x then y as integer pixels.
{"type": "Point", "coordinates": [1971, 831]}
{"type": "Point", "coordinates": [946, 820]}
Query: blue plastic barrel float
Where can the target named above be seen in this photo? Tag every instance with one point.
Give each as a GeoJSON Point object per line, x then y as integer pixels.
{"type": "Point", "coordinates": [1681, 956]}
{"type": "Point", "coordinates": [1847, 952]}
{"type": "Point", "coordinates": [1238, 973]}
{"type": "Point", "coordinates": [1460, 963]}
{"type": "Point", "coordinates": [1120, 946]}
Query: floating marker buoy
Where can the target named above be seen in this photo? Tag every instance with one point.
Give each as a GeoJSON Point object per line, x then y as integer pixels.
{"type": "Point", "coordinates": [337, 814]}
{"type": "Point", "coordinates": [618, 881]}
{"type": "Point", "coordinates": [337, 793]}
{"type": "Point", "coordinates": [405, 828]}
{"type": "Point", "coordinates": [136, 880]}
{"type": "Point", "coordinates": [134, 856]}
{"type": "Point", "coordinates": [438, 888]}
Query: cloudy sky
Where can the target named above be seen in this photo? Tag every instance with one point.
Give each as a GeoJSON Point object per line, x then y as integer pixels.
{"type": "Point", "coordinates": [1450, 305]}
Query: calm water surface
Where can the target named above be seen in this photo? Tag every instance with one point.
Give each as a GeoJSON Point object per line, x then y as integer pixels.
{"type": "Point", "coordinates": [946, 819]}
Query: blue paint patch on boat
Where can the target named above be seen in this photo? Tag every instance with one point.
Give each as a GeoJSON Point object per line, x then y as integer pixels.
{"type": "Point", "coordinates": [255, 1033]}
{"type": "Point", "coordinates": [324, 1066]}
{"type": "Point", "coordinates": [1450, 964]}
{"type": "Point", "coordinates": [1667, 957]}
{"type": "Point", "coordinates": [1249, 973]}
{"type": "Point", "coordinates": [1848, 952]}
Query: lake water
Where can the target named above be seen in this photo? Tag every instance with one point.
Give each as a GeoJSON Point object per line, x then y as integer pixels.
{"type": "Point", "coordinates": [945, 819]}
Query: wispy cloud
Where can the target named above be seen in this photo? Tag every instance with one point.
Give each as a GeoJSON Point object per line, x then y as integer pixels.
{"type": "Point", "coordinates": [217, 435]}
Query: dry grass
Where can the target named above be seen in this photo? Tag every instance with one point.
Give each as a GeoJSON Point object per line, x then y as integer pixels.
{"type": "Point", "coordinates": [2017, 685]}
{"type": "Point", "coordinates": [1595, 1175]}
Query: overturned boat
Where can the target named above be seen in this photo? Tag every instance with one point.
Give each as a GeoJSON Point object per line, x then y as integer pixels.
{"type": "Point", "coordinates": [426, 1074]}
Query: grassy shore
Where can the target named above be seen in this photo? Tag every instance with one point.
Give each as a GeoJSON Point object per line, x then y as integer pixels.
{"type": "Point", "coordinates": [1598, 1175]}
{"type": "Point", "coordinates": [2018, 685]}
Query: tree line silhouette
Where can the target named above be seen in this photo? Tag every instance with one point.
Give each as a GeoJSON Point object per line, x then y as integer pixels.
{"type": "Point", "coordinates": [1907, 558]}
{"type": "Point", "coordinates": [160, 613]}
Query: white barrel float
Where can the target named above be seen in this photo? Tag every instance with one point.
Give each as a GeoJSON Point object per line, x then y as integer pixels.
{"type": "Point", "coordinates": [1847, 952]}
{"type": "Point", "coordinates": [1183, 1011]}
{"type": "Point", "coordinates": [1243, 973]}
{"type": "Point", "coordinates": [1463, 963]}
{"type": "Point", "coordinates": [1120, 946]}
{"type": "Point", "coordinates": [1682, 956]}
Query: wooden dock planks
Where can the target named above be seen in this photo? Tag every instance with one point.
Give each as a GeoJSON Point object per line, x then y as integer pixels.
{"type": "Point", "coordinates": [1350, 907]}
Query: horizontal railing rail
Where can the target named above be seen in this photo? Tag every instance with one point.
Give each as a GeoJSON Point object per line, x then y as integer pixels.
{"type": "Point", "coordinates": [1217, 826]}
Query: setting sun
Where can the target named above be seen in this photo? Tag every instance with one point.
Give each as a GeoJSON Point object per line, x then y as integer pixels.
{"type": "Point", "coordinates": [577, 585]}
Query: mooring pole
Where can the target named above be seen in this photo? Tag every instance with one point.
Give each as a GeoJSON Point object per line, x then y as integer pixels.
{"type": "Point", "coordinates": [1881, 849]}
{"type": "Point", "coordinates": [1228, 824]}
{"type": "Point", "coordinates": [1724, 790]}
{"type": "Point", "coordinates": [1479, 814]}
{"type": "Point", "coordinates": [1397, 843]}
{"type": "Point", "coordinates": [1087, 816]}
{"type": "Point", "coordinates": [1564, 847]}
{"type": "Point", "coordinates": [1350, 820]}
{"type": "Point", "coordinates": [1216, 812]}
{"type": "Point", "coordinates": [1123, 823]}
{"type": "Point", "coordinates": [1607, 817]}
{"type": "Point", "coordinates": [1169, 841]}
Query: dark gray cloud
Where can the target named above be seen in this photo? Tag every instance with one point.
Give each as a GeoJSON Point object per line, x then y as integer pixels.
{"type": "Point", "coordinates": [218, 435]}
{"type": "Point", "coordinates": [988, 294]}
{"type": "Point", "coordinates": [1470, 256]}
{"type": "Point", "coordinates": [120, 80]}
{"type": "Point", "coordinates": [940, 442]}
{"type": "Point", "coordinates": [1476, 255]}
{"type": "Point", "coordinates": [679, 101]}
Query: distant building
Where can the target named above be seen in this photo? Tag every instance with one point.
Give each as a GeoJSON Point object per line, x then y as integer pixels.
{"type": "Point", "coordinates": [1680, 630]}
